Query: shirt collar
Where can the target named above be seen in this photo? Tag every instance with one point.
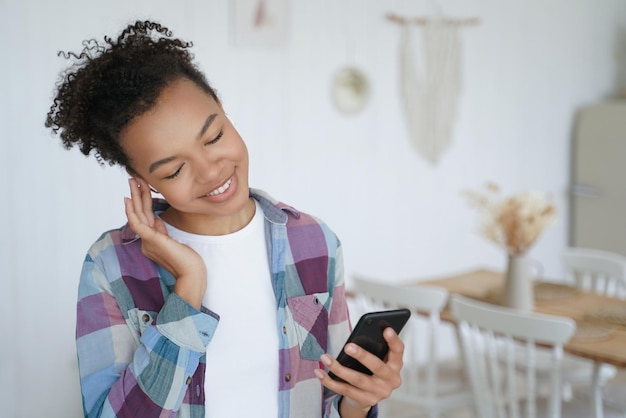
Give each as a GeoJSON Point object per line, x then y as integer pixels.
{"type": "Point", "coordinates": [275, 211]}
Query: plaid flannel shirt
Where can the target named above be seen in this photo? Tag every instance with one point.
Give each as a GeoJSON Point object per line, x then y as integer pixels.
{"type": "Point", "coordinates": [141, 347]}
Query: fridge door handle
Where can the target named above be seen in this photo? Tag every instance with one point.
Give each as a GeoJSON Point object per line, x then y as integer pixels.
{"type": "Point", "coordinates": [583, 190]}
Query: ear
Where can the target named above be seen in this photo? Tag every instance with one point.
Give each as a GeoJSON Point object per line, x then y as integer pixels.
{"type": "Point", "coordinates": [131, 172]}
{"type": "Point", "coordinates": [134, 174]}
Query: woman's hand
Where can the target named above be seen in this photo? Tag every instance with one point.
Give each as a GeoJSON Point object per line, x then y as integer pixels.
{"type": "Point", "coordinates": [183, 262]}
{"type": "Point", "coordinates": [363, 391]}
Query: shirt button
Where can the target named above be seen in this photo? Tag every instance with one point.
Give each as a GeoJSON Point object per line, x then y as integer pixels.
{"type": "Point", "coordinates": [145, 317]}
{"type": "Point", "coordinates": [287, 377]}
{"type": "Point", "coordinates": [188, 382]}
{"type": "Point", "coordinates": [284, 330]}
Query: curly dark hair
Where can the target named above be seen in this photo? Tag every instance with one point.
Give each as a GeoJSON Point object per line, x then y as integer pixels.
{"type": "Point", "coordinates": [111, 83]}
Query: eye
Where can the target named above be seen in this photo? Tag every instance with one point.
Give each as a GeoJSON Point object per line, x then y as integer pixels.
{"type": "Point", "coordinates": [174, 174]}
{"type": "Point", "coordinates": [217, 138]}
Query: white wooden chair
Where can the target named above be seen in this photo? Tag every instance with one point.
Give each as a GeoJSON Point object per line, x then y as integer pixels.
{"type": "Point", "coordinates": [427, 385]}
{"type": "Point", "coordinates": [599, 271]}
{"type": "Point", "coordinates": [602, 272]}
{"type": "Point", "coordinates": [491, 336]}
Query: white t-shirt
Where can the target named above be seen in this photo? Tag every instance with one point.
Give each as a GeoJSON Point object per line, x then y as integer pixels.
{"type": "Point", "coordinates": [242, 358]}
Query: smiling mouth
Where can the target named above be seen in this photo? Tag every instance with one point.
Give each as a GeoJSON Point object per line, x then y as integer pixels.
{"type": "Point", "coordinates": [222, 188]}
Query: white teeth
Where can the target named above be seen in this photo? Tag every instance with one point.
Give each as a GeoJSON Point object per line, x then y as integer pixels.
{"type": "Point", "coordinates": [221, 189]}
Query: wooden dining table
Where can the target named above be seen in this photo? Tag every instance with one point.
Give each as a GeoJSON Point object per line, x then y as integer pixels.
{"type": "Point", "coordinates": [600, 320]}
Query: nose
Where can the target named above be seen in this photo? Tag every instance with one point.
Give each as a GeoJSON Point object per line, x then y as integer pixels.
{"type": "Point", "coordinates": [207, 168]}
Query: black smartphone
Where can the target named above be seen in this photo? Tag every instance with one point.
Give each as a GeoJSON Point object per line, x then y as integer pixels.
{"type": "Point", "coordinates": [368, 334]}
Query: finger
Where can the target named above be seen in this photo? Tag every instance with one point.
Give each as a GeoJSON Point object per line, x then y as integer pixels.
{"type": "Point", "coordinates": [146, 200]}
{"type": "Point", "coordinates": [351, 376]}
{"type": "Point", "coordinates": [387, 370]}
{"type": "Point", "coordinates": [159, 225]}
{"type": "Point", "coordinates": [137, 200]}
{"type": "Point", "coordinates": [364, 387]}
{"type": "Point", "coordinates": [129, 209]}
{"type": "Point", "coordinates": [364, 398]}
{"type": "Point", "coordinates": [367, 359]}
{"type": "Point", "coordinates": [133, 220]}
{"type": "Point", "coordinates": [396, 348]}
{"type": "Point", "coordinates": [135, 195]}
{"type": "Point", "coordinates": [148, 235]}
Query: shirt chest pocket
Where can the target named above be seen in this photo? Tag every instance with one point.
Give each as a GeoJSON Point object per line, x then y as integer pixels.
{"type": "Point", "coordinates": [310, 318]}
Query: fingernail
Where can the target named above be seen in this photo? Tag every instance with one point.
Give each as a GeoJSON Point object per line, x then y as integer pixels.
{"type": "Point", "coordinates": [326, 359]}
{"type": "Point", "coordinates": [318, 374]}
{"type": "Point", "coordinates": [350, 349]}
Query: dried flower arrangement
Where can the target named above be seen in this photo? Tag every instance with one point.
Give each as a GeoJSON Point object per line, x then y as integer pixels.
{"type": "Point", "coordinates": [513, 223]}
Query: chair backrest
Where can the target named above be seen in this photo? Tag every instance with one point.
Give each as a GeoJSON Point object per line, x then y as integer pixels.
{"type": "Point", "coordinates": [597, 270]}
{"type": "Point", "coordinates": [421, 346]}
{"type": "Point", "coordinates": [501, 355]}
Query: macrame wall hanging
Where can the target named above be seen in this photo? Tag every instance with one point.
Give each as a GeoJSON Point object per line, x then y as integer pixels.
{"type": "Point", "coordinates": [430, 99]}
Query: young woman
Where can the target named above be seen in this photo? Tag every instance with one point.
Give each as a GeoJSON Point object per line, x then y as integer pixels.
{"type": "Point", "coordinates": [217, 300]}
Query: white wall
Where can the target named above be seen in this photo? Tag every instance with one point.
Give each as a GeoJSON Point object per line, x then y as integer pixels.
{"type": "Point", "coordinates": [528, 67]}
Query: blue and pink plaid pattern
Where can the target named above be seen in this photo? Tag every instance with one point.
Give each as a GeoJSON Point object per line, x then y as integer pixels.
{"type": "Point", "coordinates": [141, 348]}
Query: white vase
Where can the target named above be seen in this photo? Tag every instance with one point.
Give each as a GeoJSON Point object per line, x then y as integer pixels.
{"type": "Point", "coordinates": [518, 287]}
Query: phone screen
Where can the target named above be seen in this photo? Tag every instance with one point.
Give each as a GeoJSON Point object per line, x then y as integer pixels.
{"type": "Point", "coordinates": [368, 334]}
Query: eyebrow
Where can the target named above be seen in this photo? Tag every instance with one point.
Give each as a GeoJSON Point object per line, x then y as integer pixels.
{"type": "Point", "coordinates": [201, 133]}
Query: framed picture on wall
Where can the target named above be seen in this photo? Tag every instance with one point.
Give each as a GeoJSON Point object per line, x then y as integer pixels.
{"type": "Point", "coordinates": [260, 22]}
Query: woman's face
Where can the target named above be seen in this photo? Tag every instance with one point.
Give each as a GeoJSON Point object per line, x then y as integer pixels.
{"type": "Point", "coordinates": [187, 149]}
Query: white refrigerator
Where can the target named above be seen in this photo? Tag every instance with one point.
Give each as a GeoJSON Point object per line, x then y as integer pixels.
{"type": "Point", "coordinates": [598, 174]}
